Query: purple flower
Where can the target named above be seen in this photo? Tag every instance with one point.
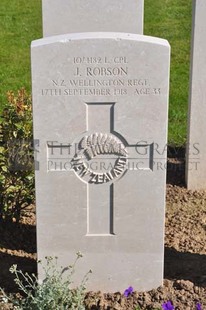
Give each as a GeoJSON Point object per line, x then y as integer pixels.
{"type": "Point", "coordinates": [168, 306]}
{"type": "Point", "coordinates": [128, 291]}
{"type": "Point", "coordinates": [198, 306]}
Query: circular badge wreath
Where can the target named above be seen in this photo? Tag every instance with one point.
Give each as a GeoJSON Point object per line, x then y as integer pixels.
{"type": "Point", "coordinates": [95, 145]}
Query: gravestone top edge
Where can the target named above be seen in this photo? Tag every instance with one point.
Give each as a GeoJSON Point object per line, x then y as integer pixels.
{"type": "Point", "coordinates": [65, 38]}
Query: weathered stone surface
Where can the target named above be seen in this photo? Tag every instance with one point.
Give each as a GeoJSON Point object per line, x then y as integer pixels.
{"type": "Point", "coordinates": [68, 16]}
{"type": "Point", "coordinates": [100, 105]}
{"type": "Point", "coordinates": [196, 150]}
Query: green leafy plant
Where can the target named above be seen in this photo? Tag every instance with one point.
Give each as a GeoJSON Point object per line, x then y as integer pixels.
{"type": "Point", "coordinates": [54, 292]}
{"type": "Point", "coordinates": [16, 156]}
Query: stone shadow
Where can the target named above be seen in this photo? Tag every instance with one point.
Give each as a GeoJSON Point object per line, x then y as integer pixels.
{"type": "Point", "coordinates": [185, 266]}
{"type": "Point", "coordinates": [17, 236]}
{"type": "Point", "coordinates": [176, 166]}
{"type": "Point", "coordinates": [17, 243]}
{"type": "Point", "coordinates": [6, 277]}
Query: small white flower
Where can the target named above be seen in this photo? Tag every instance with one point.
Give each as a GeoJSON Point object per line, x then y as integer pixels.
{"type": "Point", "coordinates": [5, 299]}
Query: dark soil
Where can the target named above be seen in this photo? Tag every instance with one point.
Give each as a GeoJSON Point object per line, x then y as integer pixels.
{"type": "Point", "coordinates": [185, 252]}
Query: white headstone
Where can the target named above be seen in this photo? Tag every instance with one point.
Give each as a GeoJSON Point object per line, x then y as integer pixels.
{"type": "Point", "coordinates": [196, 148]}
{"type": "Point", "coordinates": [68, 16]}
{"type": "Point", "coordinates": [100, 104]}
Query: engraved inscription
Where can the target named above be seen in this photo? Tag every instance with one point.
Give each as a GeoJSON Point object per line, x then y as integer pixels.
{"type": "Point", "coordinates": [115, 71]}
{"type": "Point", "coordinates": [101, 76]}
{"type": "Point", "coordinates": [100, 60]}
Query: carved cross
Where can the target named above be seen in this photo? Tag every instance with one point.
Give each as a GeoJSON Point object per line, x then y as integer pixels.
{"type": "Point", "coordinates": [102, 157]}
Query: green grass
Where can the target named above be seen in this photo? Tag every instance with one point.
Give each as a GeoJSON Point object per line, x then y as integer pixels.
{"type": "Point", "coordinates": [171, 20]}
{"type": "Point", "coordinates": [20, 23]}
